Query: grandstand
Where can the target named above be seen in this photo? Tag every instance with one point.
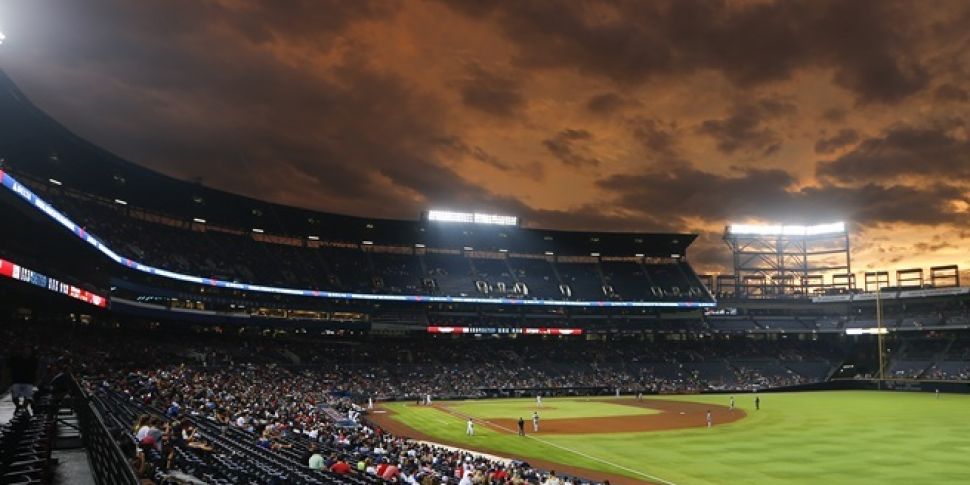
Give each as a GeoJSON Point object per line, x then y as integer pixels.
{"type": "Point", "coordinates": [248, 337]}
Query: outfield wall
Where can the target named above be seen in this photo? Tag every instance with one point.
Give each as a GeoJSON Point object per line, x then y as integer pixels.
{"type": "Point", "coordinates": [912, 385]}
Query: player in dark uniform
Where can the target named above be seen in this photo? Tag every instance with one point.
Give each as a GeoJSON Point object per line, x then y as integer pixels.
{"type": "Point", "coordinates": [757, 403]}
{"type": "Point", "coordinates": [521, 426]}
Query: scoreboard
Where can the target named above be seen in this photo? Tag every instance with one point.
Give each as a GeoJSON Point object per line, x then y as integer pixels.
{"type": "Point", "coordinates": [14, 271]}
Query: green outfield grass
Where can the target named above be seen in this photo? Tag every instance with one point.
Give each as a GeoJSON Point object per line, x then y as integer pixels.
{"type": "Point", "coordinates": [551, 409]}
{"type": "Point", "coordinates": [837, 437]}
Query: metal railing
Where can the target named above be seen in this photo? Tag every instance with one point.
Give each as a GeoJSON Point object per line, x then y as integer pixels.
{"type": "Point", "coordinates": [108, 463]}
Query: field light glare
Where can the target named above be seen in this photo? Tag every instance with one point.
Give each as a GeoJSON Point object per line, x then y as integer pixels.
{"type": "Point", "coordinates": [787, 230]}
{"type": "Point", "coordinates": [2, 37]}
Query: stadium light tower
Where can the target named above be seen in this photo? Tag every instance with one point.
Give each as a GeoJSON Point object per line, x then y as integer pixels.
{"type": "Point", "coordinates": [470, 218]}
{"type": "Point", "coordinates": [772, 260]}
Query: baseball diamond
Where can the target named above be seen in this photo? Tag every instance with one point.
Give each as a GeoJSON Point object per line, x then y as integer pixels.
{"type": "Point", "coordinates": [848, 436]}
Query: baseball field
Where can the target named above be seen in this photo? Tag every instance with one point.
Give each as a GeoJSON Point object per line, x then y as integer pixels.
{"type": "Point", "coordinates": [822, 437]}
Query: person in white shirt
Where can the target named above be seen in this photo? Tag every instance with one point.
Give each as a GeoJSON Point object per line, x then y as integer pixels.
{"type": "Point", "coordinates": [427, 400]}
{"type": "Point", "coordinates": [470, 428]}
{"type": "Point", "coordinates": [553, 479]}
{"type": "Point", "coordinates": [142, 432]}
{"type": "Point", "coordinates": [535, 421]}
{"type": "Point", "coordinates": [538, 400]}
{"type": "Point", "coordinates": [710, 419]}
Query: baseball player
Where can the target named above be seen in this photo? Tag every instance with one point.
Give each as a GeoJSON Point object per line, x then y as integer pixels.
{"type": "Point", "coordinates": [535, 421]}
{"type": "Point", "coordinates": [710, 419]}
{"type": "Point", "coordinates": [732, 403]}
{"type": "Point", "coordinates": [521, 426]}
{"type": "Point", "coordinates": [470, 428]}
{"type": "Point", "coordinates": [538, 400]}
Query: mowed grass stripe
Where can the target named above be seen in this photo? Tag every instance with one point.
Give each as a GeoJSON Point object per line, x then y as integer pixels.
{"type": "Point", "coordinates": [831, 437]}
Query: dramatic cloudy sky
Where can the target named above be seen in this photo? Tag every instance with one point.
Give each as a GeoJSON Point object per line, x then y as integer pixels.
{"type": "Point", "coordinates": [624, 115]}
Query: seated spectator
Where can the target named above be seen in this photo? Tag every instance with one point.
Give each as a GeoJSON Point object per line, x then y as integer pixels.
{"type": "Point", "coordinates": [340, 467]}
{"type": "Point", "coordinates": [315, 461]}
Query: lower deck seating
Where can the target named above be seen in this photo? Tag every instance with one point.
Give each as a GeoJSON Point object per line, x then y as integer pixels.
{"type": "Point", "coordinates": [26, 442]}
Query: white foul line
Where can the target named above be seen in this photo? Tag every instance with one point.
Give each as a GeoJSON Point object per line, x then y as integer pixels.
{"type": "Point", "coordinates": [570, 450]}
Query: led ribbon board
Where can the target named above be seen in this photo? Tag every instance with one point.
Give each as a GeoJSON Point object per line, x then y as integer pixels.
{"type": "Point", "coordinates": [505, 330]}
{"type": "Point", "coordinates": [39, 204]}
{"type": "Point", "coordinates": [15, 271]}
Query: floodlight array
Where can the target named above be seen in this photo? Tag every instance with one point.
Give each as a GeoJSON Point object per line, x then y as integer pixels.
{"type": "Point", "coordinates": [472, 218]}
{"type": "Point", "coordinates": [786, 230]}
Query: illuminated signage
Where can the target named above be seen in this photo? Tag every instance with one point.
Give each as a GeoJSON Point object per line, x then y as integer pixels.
{"type": "Point", "coordinates": [867, 331]}
{"type": "Point", "coordinates": [20, 273]}
{"type": "Point", "coordinates": [504, 330]}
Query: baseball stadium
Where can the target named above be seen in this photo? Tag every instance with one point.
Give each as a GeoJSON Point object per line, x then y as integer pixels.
{"type": "Point", "coordinates": [144, 295]}
{"type": "Point", "coordinates": [160, 328]}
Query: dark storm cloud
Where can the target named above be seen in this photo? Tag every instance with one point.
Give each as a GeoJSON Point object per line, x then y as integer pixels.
{"type": "Point", "coordinates": [834, 115]}
{"type": "Point", "coordinates": [604, 103]}
{"type": "Point", "coordinates": [949, 92]}
{"type": "Point", "coordinates": [205, 94]}
{"type": "Point", "coordinates": [686, 192]}
{"type": "Point", "coordinates": [709, 251]}
{"type": "Point", "coordinates": [459, 147]}
{"type": "Point", "coordinates": [657, 137]}
{"type": "Point", "coordinates": [566, 147]}
{"type": "Point", "coordinates": [455, 146]}
{"type": "Point", "coordinates": [845, 137]}
{"type": "Point", "coordinates": [936, 245]}
{"type": "Point", "coordinates": [870, 45]}
{"type": "Point", "coordinates": [930, 152]}
{"type": "Point", "coordinates": [491, 93]}
{"type": "Point", "coordinates": [747, 127]}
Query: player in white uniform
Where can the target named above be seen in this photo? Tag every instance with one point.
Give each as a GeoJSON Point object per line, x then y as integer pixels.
{"type": "Point", "coordinates": [470, 428]}
{"type": "Point", "coordinates": [710, 419]}
{"type": "Point", "coordinates": [538, 400]}
{"type": "Point", "coordinates": [427, 400]}
{"type": "Point", "coordinates": [370, 403]}
{"type": "Point", "coordinates": [535, 421]}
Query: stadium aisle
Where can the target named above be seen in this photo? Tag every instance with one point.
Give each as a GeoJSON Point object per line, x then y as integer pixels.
{"type": "Point", "coordinates": [6, 408]}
